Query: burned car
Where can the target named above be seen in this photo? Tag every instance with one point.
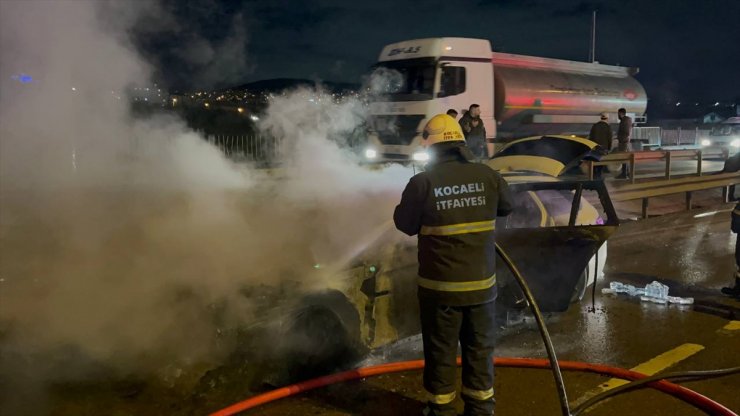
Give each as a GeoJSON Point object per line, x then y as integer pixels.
{"type": "Point", "coordinates": [556, 235]}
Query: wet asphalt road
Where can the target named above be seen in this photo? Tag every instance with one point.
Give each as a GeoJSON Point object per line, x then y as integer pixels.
{"type": "Point", "coordinates": [693, 256]}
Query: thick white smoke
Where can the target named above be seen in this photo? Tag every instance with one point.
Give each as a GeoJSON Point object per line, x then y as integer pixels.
{"type": "Point", "coordinates": [118, 236]}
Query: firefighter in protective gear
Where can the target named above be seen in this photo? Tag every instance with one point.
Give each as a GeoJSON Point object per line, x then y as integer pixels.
{"type": "Point", "coordinates": [734, 291]}
{"type": "Point", "coordinates": [452, 206]}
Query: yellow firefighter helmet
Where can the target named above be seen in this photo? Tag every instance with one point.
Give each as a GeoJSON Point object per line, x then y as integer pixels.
{"type": "Point", "coordinates": [440, 129]}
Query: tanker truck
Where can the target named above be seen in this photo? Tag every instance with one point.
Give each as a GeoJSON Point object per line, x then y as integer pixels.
{"type": "Point", "coordinates": [519, 95]}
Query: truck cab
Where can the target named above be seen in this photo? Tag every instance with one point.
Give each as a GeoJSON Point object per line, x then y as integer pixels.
{"type": "Point", "coordinates": [416, 79]}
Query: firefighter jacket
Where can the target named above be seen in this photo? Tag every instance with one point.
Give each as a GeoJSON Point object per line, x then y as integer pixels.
{"type": "Point", "coordinates": [452, 207]}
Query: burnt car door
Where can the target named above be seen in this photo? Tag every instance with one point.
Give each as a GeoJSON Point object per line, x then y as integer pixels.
{"type": "Point", "coordinates": [551, 236]}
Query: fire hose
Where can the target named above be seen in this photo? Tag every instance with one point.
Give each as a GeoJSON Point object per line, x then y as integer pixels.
{"type": "Point", "coordinates": [562, 395]}
{"type": "Point", "coordinates": [689, 396]}
{"type": "Point", "coordinates": [657, 382]}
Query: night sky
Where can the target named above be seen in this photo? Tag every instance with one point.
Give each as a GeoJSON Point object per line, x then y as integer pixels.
{"type": "Point", "coordinates": [686, 50]}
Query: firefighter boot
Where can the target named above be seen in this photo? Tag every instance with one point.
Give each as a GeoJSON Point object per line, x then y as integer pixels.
{"type": "Point", "coordinates": [434, 410]}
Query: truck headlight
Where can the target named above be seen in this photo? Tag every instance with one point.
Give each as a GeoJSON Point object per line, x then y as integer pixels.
{"type": "Point", "coordinates": [371, 153]}
{"type": "Point", "coordinates": [735, 143]}
{"type": "Point", "coordinates": [420, 156]}
{"type": "Point", "coordinates": [705, 142]}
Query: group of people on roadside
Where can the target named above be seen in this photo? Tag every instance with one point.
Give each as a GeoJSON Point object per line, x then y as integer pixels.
{"type": "Point", "coordinates": [473, 130]}
{"type": "Point", "coordinates": [601, 133]}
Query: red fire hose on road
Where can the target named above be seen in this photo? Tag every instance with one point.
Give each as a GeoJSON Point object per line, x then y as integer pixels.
{"type": "Point", "coordinates": [689, 396]}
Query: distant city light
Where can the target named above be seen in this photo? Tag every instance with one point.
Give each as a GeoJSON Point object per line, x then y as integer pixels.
{"type": "Point", "coordinates": [207, 105]}
{"type": "Point", "coordinates": [716, 104]}
{"type": "Point", "coordinates": [254, 118]}
{"type": "Point", "coordinates": [678, 103]}
{"type": "Point", "coordinates": [241, 110]}
{"type": "Point", "coordinates": [22, 78]}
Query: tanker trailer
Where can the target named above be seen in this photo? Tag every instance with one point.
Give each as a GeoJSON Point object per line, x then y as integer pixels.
{"type": "Point", "coordinates": [518, 95]}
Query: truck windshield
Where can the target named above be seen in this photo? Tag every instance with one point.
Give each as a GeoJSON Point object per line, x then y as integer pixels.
{"type": "Point", "coordinates": [404, 80]}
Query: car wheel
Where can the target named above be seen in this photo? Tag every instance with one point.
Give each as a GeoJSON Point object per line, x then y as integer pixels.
{"type": "Point", "coordinates": [316, 342]}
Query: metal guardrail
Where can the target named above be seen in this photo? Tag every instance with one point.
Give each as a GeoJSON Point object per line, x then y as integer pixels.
{"type": "Point", "coordinates": [633, 158]}
{"type": "Point", "coordinates": [652, 135]}
{"type": "Point", "coordinates": [257, 148]}
{"type": "Point", "coordinates": [625, 191]}
{"type": "Point", "coordinates": [658, 136]}
{"type": "Point", "coordinates": [261, 148]}
{"type": "Point", "coordinates": [650, 189]}
{"type": "Point", "coordinates": [267, 149]}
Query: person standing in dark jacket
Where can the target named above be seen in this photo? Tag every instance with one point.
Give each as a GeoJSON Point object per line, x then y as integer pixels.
{"type": "Point", "coordinates": [601, 133]}
{"type": "Point", "coordinates": [732, 164]}
{"type": "Point", "coordinates": [475, 132]}
{"type": "Point", "coordinates": [624, 135]}
{"type": "Point", "coordinates": [452, 206]}
{"type": "Point", "coordinates": [734, 291]}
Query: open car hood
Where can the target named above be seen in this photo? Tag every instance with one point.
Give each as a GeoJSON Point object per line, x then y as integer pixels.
{"type": "Point", "coordinates": [550, 155]}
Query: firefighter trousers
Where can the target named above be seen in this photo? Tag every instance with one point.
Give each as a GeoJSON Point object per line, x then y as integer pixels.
{"type": "Point", "coordinates": [474, 327]}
